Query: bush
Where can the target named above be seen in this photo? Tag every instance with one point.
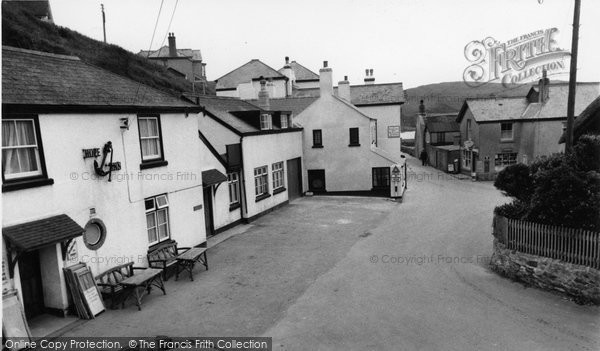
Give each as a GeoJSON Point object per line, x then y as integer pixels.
{"type": "Point", "coordinates": [560, 190]}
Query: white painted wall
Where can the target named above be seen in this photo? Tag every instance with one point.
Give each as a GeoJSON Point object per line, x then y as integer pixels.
{"type": "Point", "coordinates": [264, 150]}
{"type": "Point", "coordinates": [249, 90]}
{"type": "Point", "coordinates": [386, 115]}
{"type": "Point", "coordinates": [346, 168]}
{"type": "Point", "coordinates": [120, 203]}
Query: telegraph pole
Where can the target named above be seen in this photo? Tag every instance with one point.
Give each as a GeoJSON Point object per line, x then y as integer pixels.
{"type": "Point", "coordinates": [103, 22]}
{"type": "Point", "coordinates": [572, 80]}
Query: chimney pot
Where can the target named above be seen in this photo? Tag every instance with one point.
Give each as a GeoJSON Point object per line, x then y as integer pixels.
{"type": "Point", "coordinates": [367, 72]}
{"type": "Point", "coordinates": [172, 45]}
{"type": "Point", "coordinates": [325, 64]}
{"type": "Point", "coordinates": [371, 72]}
{"type": "Point", "coordinates": [345, 77]}
{"type": "Point", "coordinates": [287, 60]}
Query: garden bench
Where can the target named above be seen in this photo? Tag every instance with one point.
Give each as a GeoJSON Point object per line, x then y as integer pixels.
{"type": "Point", "coordinates": [109, 282]}
{"type": "Point", "coordinates": [164, 256]}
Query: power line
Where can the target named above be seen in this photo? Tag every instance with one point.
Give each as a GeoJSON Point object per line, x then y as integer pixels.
{"type": "Point", "coordinates": [150, 47]}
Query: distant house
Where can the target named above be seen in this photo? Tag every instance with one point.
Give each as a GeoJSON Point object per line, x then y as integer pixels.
{"type": "Point", "coordinates": [497, 132]}
{"type": "Point", "coordinates": [185, 63]}
{"type": "Point", "coordinates": [299, 76]}
{"type": "Point", "coordinates": [96, 169]}
{"type": "Point", "coordinates": [262, 153]}
{"type": "Point", "coordinates": [244, 81]}
{"type": "Point", "coordinates": [442, 141]}
{"type": "Point", "coordinates": [588, 122]}
{"type": "Point", "coordinates": [341, 145]}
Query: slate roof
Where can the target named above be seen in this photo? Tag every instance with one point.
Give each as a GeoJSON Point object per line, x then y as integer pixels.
{"type": "Point", "coordinates": [221, 107]}
{"type": "Point", "coordinates": [37, 234]}
{"type": "Point", "coordinates": [294, 105]}
{"type": "Point", "coordinates": [37, 78]}
{"type": "Point", "coordinates": [518, 108]}
{"type": "Point", "coordinates": [442, 123]}
{"type": "Point", "coordinates": [301, 73]}
{"type": "Point", "coordinates": [366, 94]}
{"type": "Point", "coordinates": [253, 69]}
{"type": "Point", "coordinates": [588, 120]}
{"type": "Point", "coordinates": [164, 53]}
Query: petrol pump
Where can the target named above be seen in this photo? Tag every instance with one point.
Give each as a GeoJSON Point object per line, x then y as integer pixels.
{"type": "Point", "coordinates": [398, 180]}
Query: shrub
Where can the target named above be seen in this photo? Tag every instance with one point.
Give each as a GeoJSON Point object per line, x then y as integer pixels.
{"type": "Point", "coordinates": [515, 181]}
{"type": "Point", "coordinates": [514, 210]}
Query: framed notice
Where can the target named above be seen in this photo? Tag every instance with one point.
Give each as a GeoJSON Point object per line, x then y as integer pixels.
{"type": "Point", "coordinates": [393, 131]}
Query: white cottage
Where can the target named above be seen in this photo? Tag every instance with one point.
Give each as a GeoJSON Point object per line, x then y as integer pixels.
{"type": "Point", "coordinates": [96, 168]}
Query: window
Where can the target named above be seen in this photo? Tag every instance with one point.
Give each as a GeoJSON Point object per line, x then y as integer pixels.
{"type": "Point", "coordinates": [381, 177]}
{"type": "Point", "coordinates": [354, 137]}
{"type": "Point", "coordinates": [469, 130]}
{"type": "Point", "coordinates": [506, 131]}
{"type": "Point", "coordinates": [317, 138]}
{"type": "Point", "coordinates": [94, 234]}
{"type": "Point", "coordinates": [505, 159]}
{"type": "Point", "coordinates": [21, 156]}
{"type": "Point", "coordinates": [234, 188]}
{"type": "Point", "coordinates": [150, 138]}
{"type": "Point", "coordinates": [284, 121]}
{"type": "Point", "coordinates": [467, 157]}
{"type": "Point", "coordinates": [157, 219]}
{"type": "Point", "coordinates": [277, 169]}
{"type": "Point", "coordinates": [261, 181]}
{"type": "Point", "coordinates": [265, 122]}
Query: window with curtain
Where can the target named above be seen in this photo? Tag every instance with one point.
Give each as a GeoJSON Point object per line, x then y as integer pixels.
{"type": "Point", "coordinates": [157, 219]}
{"type": "Point", "coordinates": [20, 149]}
{"type": "Point", "coordinates": [150, 142]}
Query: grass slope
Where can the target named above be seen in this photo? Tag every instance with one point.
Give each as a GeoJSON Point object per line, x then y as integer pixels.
{"type": "Point", "coordinates": [22, 30]}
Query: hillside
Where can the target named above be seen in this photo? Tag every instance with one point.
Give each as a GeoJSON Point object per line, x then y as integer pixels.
{"type": "Point", "coordinates": [449, 97]}
{"type": "Point", "coordinates": [21, 29]}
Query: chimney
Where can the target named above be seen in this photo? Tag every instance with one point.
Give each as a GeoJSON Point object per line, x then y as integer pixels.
{"type": "Point", "coordinates": [263, 95]}
{"type": "Point", "coordinates": [172, 46]}
{"type": "Point", "coordinates": [369, 79]}
{"type": "Point", "coordinates": [326, 80]}
{"type": "Point", "coordinates": [421, 108]}
{"type": "Point", "coordinates": [291, 78]}
{"type": "Point", "coordinates": [543, 88]}
{"type": "Point", "coordinates": [344, 89]}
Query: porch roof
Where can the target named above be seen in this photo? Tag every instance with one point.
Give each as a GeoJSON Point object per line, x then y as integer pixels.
{"type": "Point", "coordinates": [212, 177]}
{"type": "Point", "coordinates": [37, 234]}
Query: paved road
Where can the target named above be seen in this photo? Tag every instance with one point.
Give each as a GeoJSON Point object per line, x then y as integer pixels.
{"type": "Point", "coordinates": [436, 305]}
{"type": "Point", "coordinates": [365, 274]}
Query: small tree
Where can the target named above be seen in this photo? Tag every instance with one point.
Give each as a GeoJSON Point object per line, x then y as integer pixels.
{"type": "Point", "coordinates": [516, 181]}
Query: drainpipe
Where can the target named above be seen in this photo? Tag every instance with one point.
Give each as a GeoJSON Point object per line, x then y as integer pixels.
{"type": "Point", "coordinates": [243, 179]}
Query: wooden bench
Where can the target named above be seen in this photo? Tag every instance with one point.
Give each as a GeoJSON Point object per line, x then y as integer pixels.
{"type": "Point", "coordinates": [109, 282]}
{"type": "Point", "coordinates": [164, 256]}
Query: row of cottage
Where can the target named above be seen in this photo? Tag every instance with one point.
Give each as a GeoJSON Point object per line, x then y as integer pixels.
{"type": "Point", "coordinates": [489, 134]}
{"type": "Point", "coordinates": [98, 168]}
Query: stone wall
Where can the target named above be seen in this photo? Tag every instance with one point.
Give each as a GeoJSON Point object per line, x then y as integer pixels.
{"type": "Point", "coordinates": [579, 282]}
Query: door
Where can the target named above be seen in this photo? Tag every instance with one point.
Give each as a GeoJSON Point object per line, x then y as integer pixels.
{"type": "Point", "coordinates": [294, 177]}
{"type": "Point", "coordinates": [31, 284]}
{"type": "Point", "coordinates": [316, 180]}
{"type": "Point", "coordinates": [208, 211]}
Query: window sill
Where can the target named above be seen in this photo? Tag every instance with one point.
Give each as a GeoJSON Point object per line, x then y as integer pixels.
{"type": "Point", "coordinates": [278, 190]}
{"type": "Point", "coordinates": [353, 145]}
{"type": "Point", "coordinates": [26, 184]}
{"type": "Point", "coordinates": [317, 146]}
{"type": "Point", "coordinates": [262, 197]}
{"type": "Point", "coordinates": [507, 140]}
{"type": "Point", "coordinates": [153, 164]}
{"type": "Point", "coordinates": [234, 207]}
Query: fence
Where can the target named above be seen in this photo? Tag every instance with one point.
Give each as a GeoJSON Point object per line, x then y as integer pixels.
{"type": "Point", "coordinates": [571, 245]}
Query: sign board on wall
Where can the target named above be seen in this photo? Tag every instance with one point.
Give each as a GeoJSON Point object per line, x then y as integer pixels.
{"type": "Point", "coordinates": [393, 131]}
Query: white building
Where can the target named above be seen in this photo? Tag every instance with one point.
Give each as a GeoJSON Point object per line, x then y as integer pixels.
{"type": "Point", "coordinates": [341, 145]}
{"type": "Point", "coordinates": [97, 168]}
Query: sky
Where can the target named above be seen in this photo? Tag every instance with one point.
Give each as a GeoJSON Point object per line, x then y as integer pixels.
{"type": "Point", "coordinates": [416, 42]}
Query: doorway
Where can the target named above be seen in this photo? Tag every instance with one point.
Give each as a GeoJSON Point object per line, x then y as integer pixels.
{"type": "Point", "coordinates": [294, 176]}
{"type": "Point", "coordinates": [316, 180]}
{"type": "Point", "coordinates": [31, 284]}
{"type": "Point", "coordinates": [208, 211]}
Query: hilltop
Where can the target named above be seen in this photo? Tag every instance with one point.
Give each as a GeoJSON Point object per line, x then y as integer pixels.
{"type": "Point", "coordinates": [449, 97]}
{"type": "Point", "coordinates": [23, 30]}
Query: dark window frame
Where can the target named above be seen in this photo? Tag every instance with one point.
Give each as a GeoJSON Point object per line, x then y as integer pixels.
{"type": "Point", "coordinates": [382, 175]}
{"type": "Point", "coordinates": [317, 141]}
{"type": "Point", "coordinates": [156, 162]}
{"type": "Point", "coordinates": [354, 134]}
{"type": "Point", "coordinates": [32, 181]}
